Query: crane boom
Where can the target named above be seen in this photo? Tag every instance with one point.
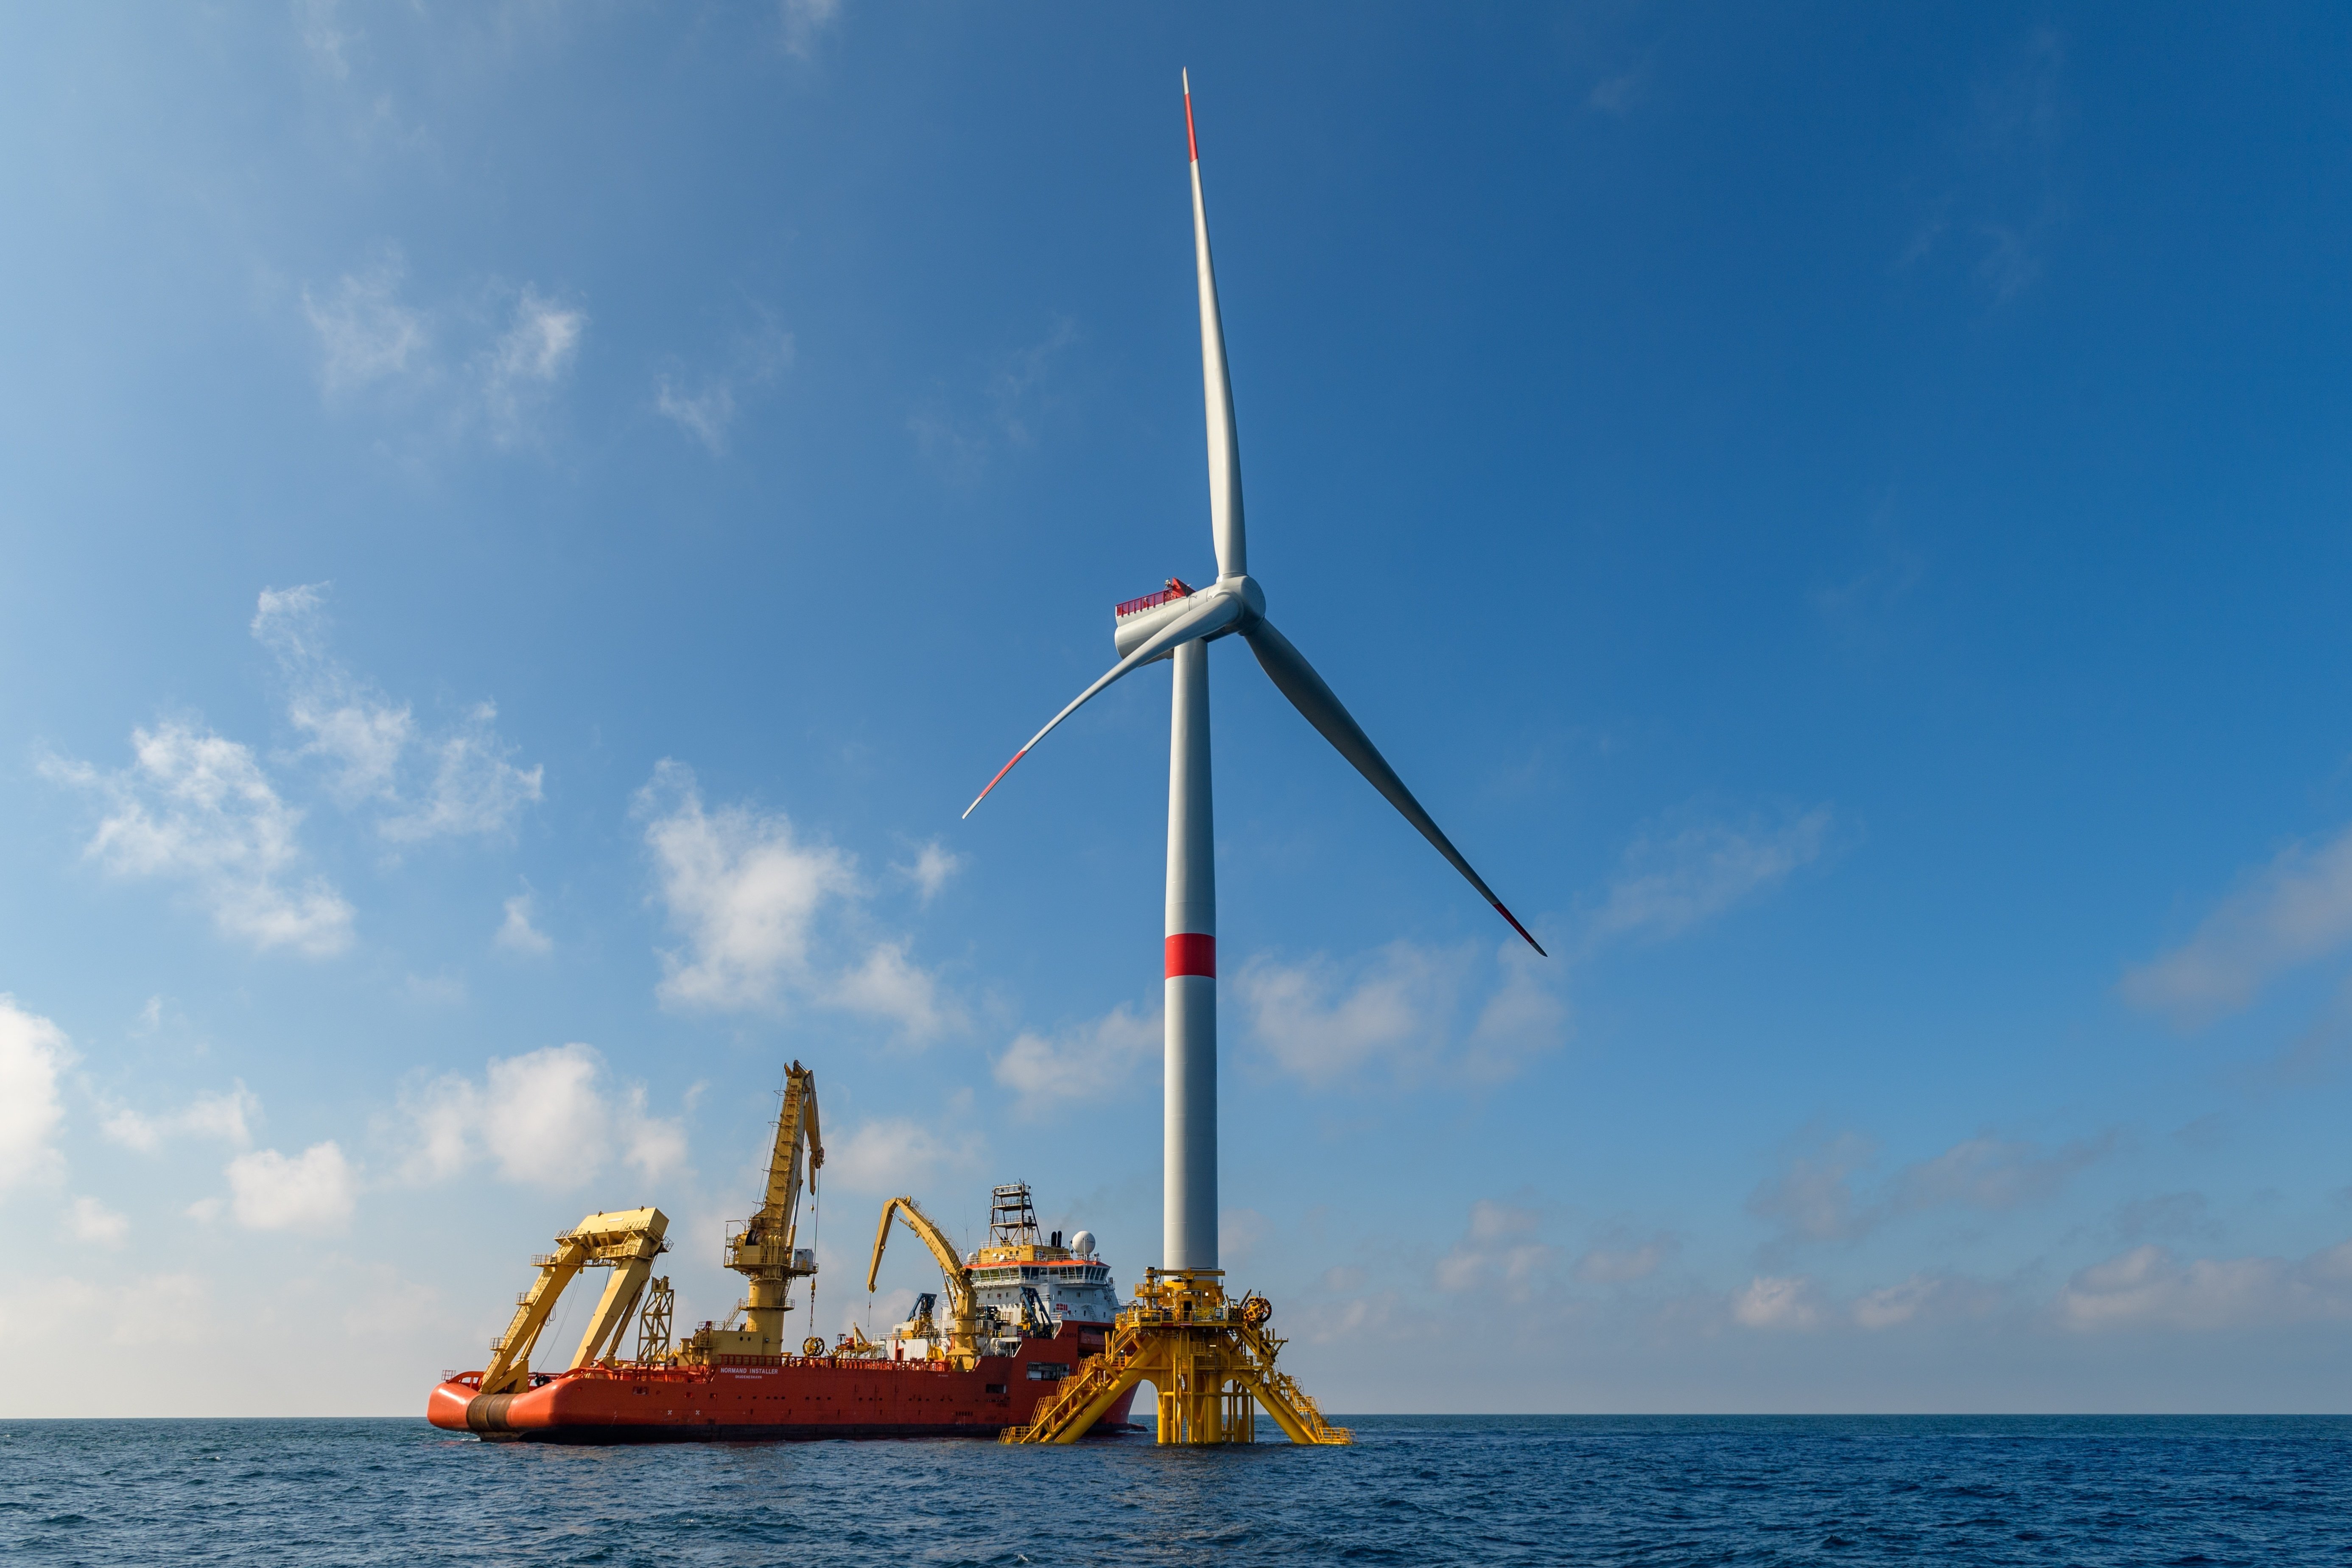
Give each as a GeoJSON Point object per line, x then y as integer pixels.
{"type": "Point", "coordinates": [964, 1312]}
{"type": "Point", "coordinates": [765, 1249]}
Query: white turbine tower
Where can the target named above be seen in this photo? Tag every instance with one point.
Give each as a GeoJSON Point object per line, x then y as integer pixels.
{"type": "Point", "coordinates": [1178, 624]}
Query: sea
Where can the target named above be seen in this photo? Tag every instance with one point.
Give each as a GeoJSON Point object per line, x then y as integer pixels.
{"type": "Point", "coordinates": [1413, 1489]}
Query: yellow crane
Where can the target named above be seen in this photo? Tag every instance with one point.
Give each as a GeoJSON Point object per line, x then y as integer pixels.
{"type": "Point", "coordinates": [627, 1241]}
{"type": "Point", "coordinates": [764, 1250]}
{"type": "Point", "coordinates": [963, 1312]}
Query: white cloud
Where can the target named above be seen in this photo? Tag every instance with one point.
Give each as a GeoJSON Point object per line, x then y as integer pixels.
{"type": "Point", "coordinates": [546, 1118]}
{"type": "Point", "coordinates": [197, 807]}
{"type": "Point", "coordinates": [1242, 1235]}
{"type": "Point", "coordinates": [747, 893]}
{"type": "Point", "coordinates": [366, 333]}
{"type": "Point", "coordinates": [1500, 1255]}
{"type": "Point", "coordinates": [2295, 910]}
{"type": "Point", "coordinates": [1777, 1301]}
{"type": "Point", "coordinates": [1814, 1197]}
{"type": "Point", "coordinates": [1996, 1174]}
{"type": "Point", "coordinates": [933, 865]}
{"type": "Point", "coordinates": [522, 346]}
{"type": "Point", "coordinates": [1817, 1196]}
{"type": "Point", "coordinates": [324, 37]}
{"type": "Point", "coordinates": [2152, 1286]}
{"type": "Point", "coordinates": [704, 415]}
{"type": "Point", "coordinates": [469, 785]}
{"type": "Point", "coordinates": [517, 934]}
{"type": "Point", "coordinates": [227, 1114]}
{"type": "Point", "coordinates": [1625, 1262]}
{"type": "Point", "coordinates": [528, 358]}
{"type": "Point", "coordinates": [33, 1052]}
{"type": "Point", "coordinates": [1403, 1008]}
{"type": "Point", "coordinates": [804, 21]}
{"type": "Point", "coordinates": [886, 984]}
{"type": "Point", "coordinates": [49, 1310]}
{"type": "Point", "coordinates": [1923, 1298]}
{"type": "Point", "coordinates": [1092, 1061]}
{"type": "Point", "coordinates": [1669, 885]}
{"type": "Point", "coordinates": [895, 1155]}
{"type": "Point", "coordinates": [743, 891]}
{"type": "Point", "coordinates": [313, 1192]}
{"type": "Point", "coordinates": [356, 728]}
{"type": "Point", "coordinates": [474, 790]}
{"type": "Point", "coordinates": [93, 1222]}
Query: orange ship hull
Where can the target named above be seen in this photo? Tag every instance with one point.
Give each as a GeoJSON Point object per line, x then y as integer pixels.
{"type": "Point", "coordinates": [773, 1397]}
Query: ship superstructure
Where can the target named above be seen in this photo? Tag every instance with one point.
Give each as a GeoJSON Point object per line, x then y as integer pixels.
{"type": "Point", "coordinates": [1023, 1274]}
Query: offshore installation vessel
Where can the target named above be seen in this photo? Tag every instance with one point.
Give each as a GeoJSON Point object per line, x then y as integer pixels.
{"type": "Point", "coordinates": [1013, 1322]}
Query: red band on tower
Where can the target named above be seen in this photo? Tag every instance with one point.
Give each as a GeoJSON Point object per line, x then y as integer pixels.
{"type": "Point", "coordinates": [1192, 953]}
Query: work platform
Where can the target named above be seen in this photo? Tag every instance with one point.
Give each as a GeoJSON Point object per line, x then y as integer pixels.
{"type": "Point", "coordinates": [1209, 1357]}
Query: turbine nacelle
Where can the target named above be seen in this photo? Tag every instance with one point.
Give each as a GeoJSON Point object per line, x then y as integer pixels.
{"type": "Point", "coordinates": [1137, 621]}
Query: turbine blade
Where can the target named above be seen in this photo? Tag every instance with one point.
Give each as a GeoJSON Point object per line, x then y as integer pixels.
{"type": "Point", "coordinates": [1297, 679]}
{"type": "Point", "coordinates": [1218, 609]}
{"type": "Point", "coordinates": [1216, 386]}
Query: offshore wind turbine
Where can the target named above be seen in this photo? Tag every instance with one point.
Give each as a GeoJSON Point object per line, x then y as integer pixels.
{"type": "Point", "coordinates": [1178, 624]}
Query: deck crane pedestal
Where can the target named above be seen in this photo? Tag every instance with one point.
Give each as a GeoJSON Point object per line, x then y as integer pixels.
{"type": "Point", "coordinates": [764, 1250]}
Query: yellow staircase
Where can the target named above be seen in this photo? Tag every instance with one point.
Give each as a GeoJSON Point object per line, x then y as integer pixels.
{"type": "Point", "coordinates": [1210, 1359]}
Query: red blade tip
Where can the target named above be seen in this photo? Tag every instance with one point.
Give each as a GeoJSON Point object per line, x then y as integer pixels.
{"type": "Point", "coordinates": [1191, 142]}
{"type": "Point", "coordinates": [1008, 768]}
{"type": "Point", "coordinates": [1498, 908]}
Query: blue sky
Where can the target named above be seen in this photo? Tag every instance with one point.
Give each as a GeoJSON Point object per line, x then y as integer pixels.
{"type": "Point", "coordinates": [523, 526]}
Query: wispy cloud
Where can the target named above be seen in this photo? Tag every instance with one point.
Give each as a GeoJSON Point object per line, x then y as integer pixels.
{"type": "Point", "coordinates": [517, 372]}
{"type": "Point", "coordinates": [487, 363]}
{"type": "Point", "coordinates": [1406, 1011]}
{"type": "Point", "coordinates": [1622, 1259]}
{"type": "Point", "coordinates": [456, 783]}
{"type": "Point", "coordinates": [1822, 1193]}
{"type": "Point", "coordinates": [367, 332]}
{"type": "Point", "coordinates": [1924, 1299]}
{"type": "Point", "coordinates": [1094, 1060]}
{"type": "Point", "coordinates": [225, 1114]}
{"type": "Point", "coordinates": [2002, 195]}
{"type": "Point", "coordinates": [747, 893]}
{"type": "Point", "coordinates": [2296, 910]}
{"type": "Point", "coordinates": [895, 1154]}
{"type": "Point", "coordinates": [1500, 1253]}
{"type": "Point", "coordinates": [1778, 1301]}
{"type": "Point", "coordinates": [705, 406]}
{"type": "Point", "coordinates": [91, 1221]}
{"type": "Point", "coordinates": [197, 808]}
{"type": "Point", "coordinates": [1018, 392]}
{"type": "Point", "coordinates": [34, 1053]}
{"type": "Point", "coordinates": [933, 865]}
{"type": "Point", "coordinates": [805, 22]}
{"type": "Point", "coordinates": [517, 934]}
{"type": "Point", "coordinates": [1670, 883]}
{"type": "Point", "coordinates": [2152, 1286]}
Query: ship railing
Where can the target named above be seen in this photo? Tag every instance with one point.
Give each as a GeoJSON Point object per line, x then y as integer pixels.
{"type": "Point", "coordinates": [1151, 601]}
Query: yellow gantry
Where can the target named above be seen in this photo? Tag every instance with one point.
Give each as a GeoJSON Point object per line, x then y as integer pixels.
{"type": "Point", "coordinates": [1210, 1358]}
{"type": "Point", "coordinates": [626, 1241]}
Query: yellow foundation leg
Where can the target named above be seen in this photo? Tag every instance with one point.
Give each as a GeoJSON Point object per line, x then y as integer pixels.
{"type": "Point", "coordinates": [1210, 1360]}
